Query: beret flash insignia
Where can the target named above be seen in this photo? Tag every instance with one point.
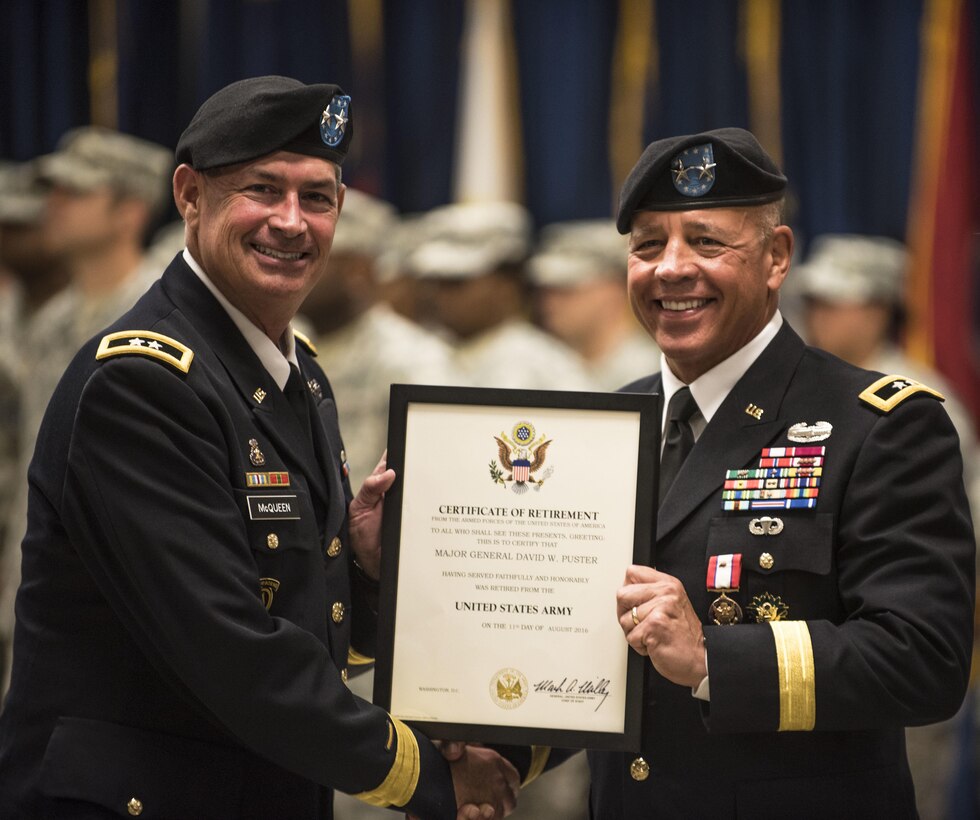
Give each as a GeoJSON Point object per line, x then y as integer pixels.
{"type": "Point", "coordinates": [146, 343]}
{"type": "Point", "coordinates": [693, 170]}
{"type": "Point", "coordinates": [333, 123]}
{"type": "Point", "coordinates": [890, 391]}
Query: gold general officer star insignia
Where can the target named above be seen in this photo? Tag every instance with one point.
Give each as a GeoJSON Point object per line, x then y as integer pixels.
{"type": "Point", "coordinates": [890, 391]}
{"type": "Point", "coordinates": [146, 343]}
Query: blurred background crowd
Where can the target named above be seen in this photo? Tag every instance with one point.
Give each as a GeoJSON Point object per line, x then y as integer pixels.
{"type": "Point", "coordinates": [476, 246]}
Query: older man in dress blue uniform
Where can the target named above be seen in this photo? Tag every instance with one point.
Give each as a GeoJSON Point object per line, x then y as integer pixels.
{"type": "Point", "coordinates": [196, 574]}
{"type": "Point", "coordinates": [811, 592]}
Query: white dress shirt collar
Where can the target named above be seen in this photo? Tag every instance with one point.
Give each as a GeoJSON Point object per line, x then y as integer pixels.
{"type": "Point", "coordinates": [274, 360]}
{"type": "Point", "coordinates": [712, 388]}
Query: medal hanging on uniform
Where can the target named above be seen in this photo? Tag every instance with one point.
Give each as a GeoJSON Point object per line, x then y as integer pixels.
{"type": "Point", "coordinates": [724, 575]}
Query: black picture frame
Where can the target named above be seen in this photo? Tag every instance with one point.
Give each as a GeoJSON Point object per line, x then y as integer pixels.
{"type": "Point", "coordinates": [642, 407]}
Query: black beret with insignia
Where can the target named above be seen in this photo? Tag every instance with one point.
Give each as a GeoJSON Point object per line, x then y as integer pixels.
{"type": "Point", "coordinates": [251, 118]}
{"type": "Point", "coordinates": [723, 168]}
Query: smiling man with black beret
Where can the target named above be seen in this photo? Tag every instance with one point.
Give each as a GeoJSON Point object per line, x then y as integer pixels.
{"type": "Point", "coordinates": [813, 589]}
{"type": "Point", "coordinates": [197, 577]}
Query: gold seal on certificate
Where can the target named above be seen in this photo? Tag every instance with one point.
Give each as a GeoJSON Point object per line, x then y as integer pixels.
{"type": "Point", "coordinates": [508, 688]}
{"type": "Point", "coordinates": [504, 544]}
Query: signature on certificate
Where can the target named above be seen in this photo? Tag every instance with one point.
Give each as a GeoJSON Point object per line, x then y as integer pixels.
{"type": "Point", "coordinates": [597, 688]}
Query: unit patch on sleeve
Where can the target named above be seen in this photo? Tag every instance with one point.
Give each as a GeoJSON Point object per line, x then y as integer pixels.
{"type": "Point", "coordinates": [890, 391]}
{"type": "Point", "coordinates": [146, 343]}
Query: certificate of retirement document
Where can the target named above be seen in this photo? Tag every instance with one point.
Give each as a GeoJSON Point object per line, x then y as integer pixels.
{"type": "Point", "coordinates": [515, 518]}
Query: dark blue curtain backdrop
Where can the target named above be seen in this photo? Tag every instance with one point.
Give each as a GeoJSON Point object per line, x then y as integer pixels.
{"type": "Point", "coordinates": [849, 83]}
{"type": "Point", "coordinates": [564, 62]}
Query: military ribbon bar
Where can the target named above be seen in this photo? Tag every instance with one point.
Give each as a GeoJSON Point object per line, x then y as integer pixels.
{"type": "Point", "coordinates": [797, 492]}
{"type": "Point", "coordinates": [771, 504]}
{"type": "Point", "coordinates": [769, 483]}
{"type": "Point", "coordinates": [792, 461]}
{"type": "Point", "coordinates": [278, 479]}
{"type": "Point", "coordinates": [788, 452]}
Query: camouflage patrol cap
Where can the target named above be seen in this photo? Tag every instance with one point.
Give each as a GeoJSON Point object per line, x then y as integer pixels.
{"type": "Point", "coordinates": [572, 253]}
{"type": "Point", "coordinates": [257, 116]}
{"type": "Point", "coordinates": [92, 157]}
{"type": "Point", "coordinates": [723, 168]}
{"type": "Point", "coordinates": [467, 240]}
{"type": "Point", "coordinates": [21, 197]}
{"type": "Point", "coordinates": [854, 269]}
{"type": "Point", "coordinates": [365, 225]}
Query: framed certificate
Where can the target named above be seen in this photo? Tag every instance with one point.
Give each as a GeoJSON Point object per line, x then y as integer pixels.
{"type": "Point", "coordinates": [506, 535]}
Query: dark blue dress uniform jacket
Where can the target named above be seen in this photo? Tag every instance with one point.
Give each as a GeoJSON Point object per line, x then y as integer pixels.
{"type": "Point", "coordinates": [806, 715]}
{"type": "Point", "coordinates": [181, 636]}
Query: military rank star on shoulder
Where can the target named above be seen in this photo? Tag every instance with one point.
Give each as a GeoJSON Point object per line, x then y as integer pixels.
{"type": "Point", "coordinates": [146, 343]}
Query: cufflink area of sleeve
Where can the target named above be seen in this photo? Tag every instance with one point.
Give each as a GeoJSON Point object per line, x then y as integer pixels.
{"type": "Point", "coordinates": [403, 777]}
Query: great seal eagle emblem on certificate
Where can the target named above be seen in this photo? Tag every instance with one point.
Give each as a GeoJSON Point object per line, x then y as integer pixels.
{"type": "Point", "coordinates": [522, 455]}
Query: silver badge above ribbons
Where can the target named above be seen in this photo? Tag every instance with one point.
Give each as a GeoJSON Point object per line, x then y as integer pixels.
{"type": "Point", "coordinates": [693, 170]}
{"type": "Point", "coordinates": [804, 432]}
{"type": "Point", "coordinates": [333, 123]}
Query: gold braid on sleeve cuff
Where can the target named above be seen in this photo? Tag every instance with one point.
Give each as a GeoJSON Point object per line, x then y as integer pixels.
{"type": "Point", "coordinates": [797, 686]}
{"type": "Point", "coordinates": [539, 759]}
{"type": "Point", "coordinates": [403, 778]}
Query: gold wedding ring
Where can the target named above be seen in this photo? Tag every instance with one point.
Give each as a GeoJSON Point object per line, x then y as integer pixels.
{"type": "Point", "coordinates": [636, 621]}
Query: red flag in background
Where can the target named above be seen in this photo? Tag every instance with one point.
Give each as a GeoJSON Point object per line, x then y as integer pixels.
{"type": "Point", "coordinates": [944, 213]}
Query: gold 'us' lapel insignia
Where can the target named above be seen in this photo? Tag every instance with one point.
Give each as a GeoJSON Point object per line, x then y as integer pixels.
{"type": "Point", "coordinates": [268, 587]}
{"type": "Point", "coordinates": [890, 391]}
{"type": "Point", "coordinates": [146, 343]}
{"type": "Point", "coordinates": [259, 395]}
{"type": "Point", "coordinates": [755, 411]}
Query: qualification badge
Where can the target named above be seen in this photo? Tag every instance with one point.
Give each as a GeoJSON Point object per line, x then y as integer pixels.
{"type": "Point", "coordinates": [768, 607]}
{"type": "Point", "coordinates": [255, 455]}
{"type": "Point", "coordinates": [724, 575]}
{"type": "Point", "coordinates": [803, 432]}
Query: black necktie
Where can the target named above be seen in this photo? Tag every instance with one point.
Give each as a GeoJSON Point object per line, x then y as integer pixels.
{"type": "Point", "coordinates": [679, 437]}
{"type": "Point", "coordinates": [296, 390]}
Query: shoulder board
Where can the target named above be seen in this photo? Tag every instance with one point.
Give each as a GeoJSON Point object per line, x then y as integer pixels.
{"type": "Point", "coordinates": [146, 343]}
{"type": "Point", "coordinates": [303, 339]}
{"type": "Point", "coordinates": [890, 391]}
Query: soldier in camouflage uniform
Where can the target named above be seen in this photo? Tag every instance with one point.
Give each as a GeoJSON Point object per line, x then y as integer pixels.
{"type": "Point", "coordinates": [474, 254]}
{"type": "Point", "coordinates": [362, 344]}
{"type": "Point", "coordinates": [106, 190]}
{"type": "Point", "coordinates": [853, 288]}
{"type": "Point", "coordinates": [579, 272]}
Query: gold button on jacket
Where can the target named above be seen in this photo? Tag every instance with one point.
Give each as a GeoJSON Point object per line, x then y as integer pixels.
{"type": "Point", "coordinates": [272, 540]}
{"type": "Point", "coordinates": [639, 769]}
{"type": "Point", "coordinates": [335, 546]}
{"type": "Point", "coordinates": [134, 807]}
{"type": "Point", "coordinates": [337, 612]}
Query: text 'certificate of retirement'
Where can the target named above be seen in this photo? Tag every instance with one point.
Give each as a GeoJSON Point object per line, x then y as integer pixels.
{"type": "Point", "coordinates": [514, 517]}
